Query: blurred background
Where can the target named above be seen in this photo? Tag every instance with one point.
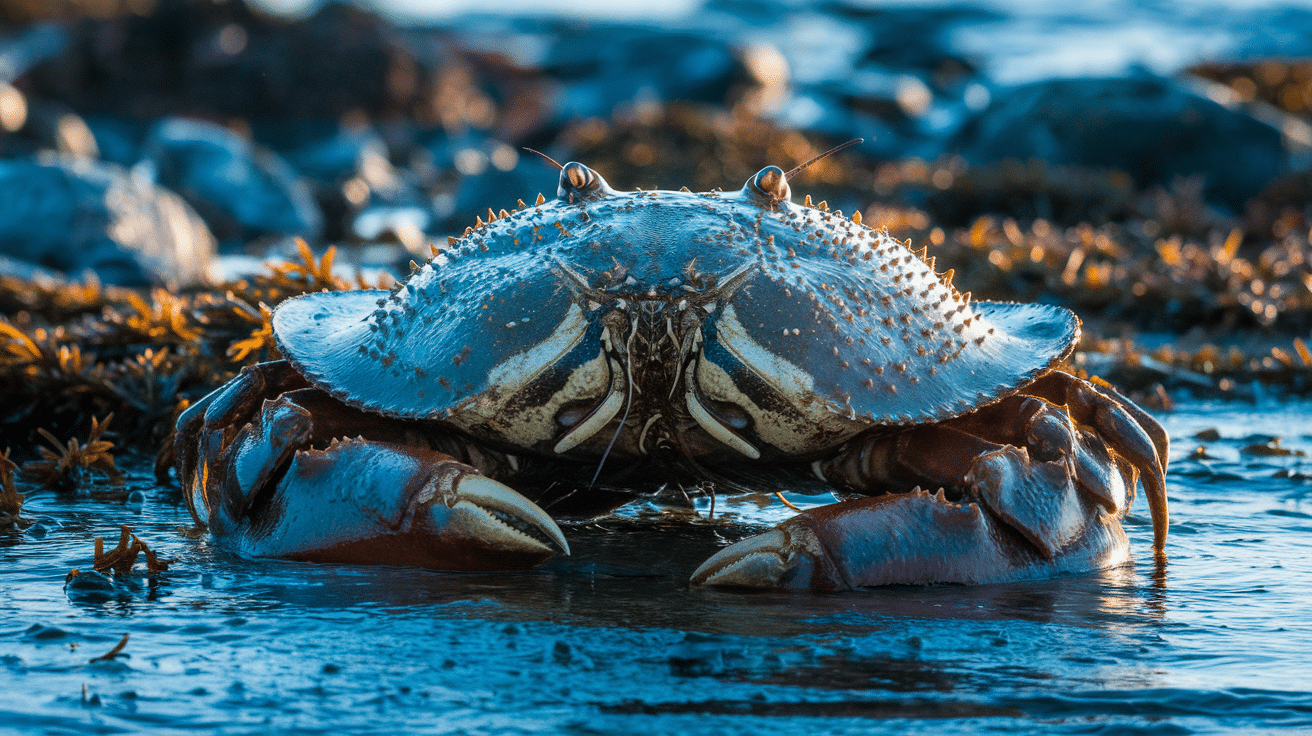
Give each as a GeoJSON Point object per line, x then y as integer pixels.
{"type": "Point", "coordinates": [156, 141]}
{"type": "Point", "coordinates": [1143, 163]}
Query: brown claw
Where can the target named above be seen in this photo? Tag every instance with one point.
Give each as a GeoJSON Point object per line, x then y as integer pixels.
{"type": "Point", "coordinates": [1119, 426]}
{"type": "Point", "coordinates": [1154, 477]}
{"type": "Point", "coordinates": [238, 399]}
{"type": "Point", "coordinates": [1155, 431]}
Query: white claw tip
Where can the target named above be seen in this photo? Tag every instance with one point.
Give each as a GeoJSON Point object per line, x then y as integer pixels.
{"type": "Point", "coordinates": [756, 562]}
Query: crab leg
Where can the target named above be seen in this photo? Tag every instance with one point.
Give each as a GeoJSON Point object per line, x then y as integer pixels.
{"type": "Point", "coordinates": [229, 405]}
{"type": "Point", "coordinates": [1129, 430]}
{"type": "Point", "coordinates": [1046, 431]}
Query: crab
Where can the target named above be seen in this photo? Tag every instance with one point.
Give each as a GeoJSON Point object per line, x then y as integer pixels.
{"type": "Point", "coordinates": [611, 339]}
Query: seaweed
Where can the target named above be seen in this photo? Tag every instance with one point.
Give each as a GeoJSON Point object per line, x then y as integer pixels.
{"type": "Point", "coordinates": [119, 561]}
{"type": "Point", "coordinates": [260, 342]}
{"type": "Point", "coordinates": [11, 501]}
{"type": "Point", "coordinates": [109, 656]}
{"type": "Point", "coordinates": [75, 351]}
{"type": "Point", "coordinates": [69, 466]}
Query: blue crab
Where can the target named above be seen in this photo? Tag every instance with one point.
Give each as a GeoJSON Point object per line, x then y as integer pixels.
{"type": "Point", "coordinates": [659, 336]}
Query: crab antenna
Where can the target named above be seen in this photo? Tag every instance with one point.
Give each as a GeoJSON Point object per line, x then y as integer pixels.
{"type": "Point", "coordinates": [628, 404]}
{"type": "Point", "coordinates": [555, 163]}
{"type": "Point", "coordinates": [802, 167]}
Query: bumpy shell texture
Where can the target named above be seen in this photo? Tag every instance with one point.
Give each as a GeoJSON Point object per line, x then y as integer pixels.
{"type": "Point", "coordinates": [821, 307]}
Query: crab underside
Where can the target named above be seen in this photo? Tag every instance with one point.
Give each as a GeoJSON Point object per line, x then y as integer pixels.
{"type": "Point", "coordinates": [675, 337]}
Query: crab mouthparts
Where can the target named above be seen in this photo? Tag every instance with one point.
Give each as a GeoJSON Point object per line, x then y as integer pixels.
{"type": "Point", "coordinates": [652, 349]}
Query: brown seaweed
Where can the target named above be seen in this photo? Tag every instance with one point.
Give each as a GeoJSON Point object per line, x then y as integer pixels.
{"type": "Point", "coordinates": [69, 466]}
{"type": "Point", "coordinates": [121, 559]}
{"type": "Point", "coordinates": [11, 501]}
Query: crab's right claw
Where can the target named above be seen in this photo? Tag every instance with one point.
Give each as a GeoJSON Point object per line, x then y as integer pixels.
{"type": "Point", "coordinates": [915, 537]}
{"type": "Point", "coordinates": [364, 502]}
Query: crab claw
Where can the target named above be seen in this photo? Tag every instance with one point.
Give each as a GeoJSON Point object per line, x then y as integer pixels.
{"type": "Point", "coordinates": [495, 514]}
{"type": "Point", "coordinates": [367, 502]}
{"type": "Point", "coordinates": [914, 537]}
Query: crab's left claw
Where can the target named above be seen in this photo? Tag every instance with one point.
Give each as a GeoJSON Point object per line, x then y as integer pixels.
{"type": "Point", "coordinates": [915, 537]}
{"type": "Point", "coordinates": [1043, 477]}
{"type": "Point", "coordinates": [268, 479]}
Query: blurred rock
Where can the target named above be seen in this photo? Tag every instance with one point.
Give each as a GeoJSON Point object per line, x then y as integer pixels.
{"type": "Point", "coordinates": [19, 52]}
{"type": "Point", "coordinates": [243, 191]}
{"type": "Point", "coordinates": [1029, 190]}
{"type": "Point", "coordinates": [350, 172]}
{"type": "Point", "coordinates": [220, 60]}
{"type": "Point", "coordinates": [489, 173]}
{"type": "Point", "coordinates": [29, 125]}
{"type": "Point", "coordinates": [605, 67]}
{"type": "Point", "coordinates": [325, 150]}
{"type": "Point", "coordinates": [118, 140]}
{"type": "Point", "coordinates": [70, 215]}
{"type": "Point", "coordinates": [917, 39]}
{"type": "Point", "coordinates": [1146, 127]}
{"type": "Point", "coordinates": [28, 271]}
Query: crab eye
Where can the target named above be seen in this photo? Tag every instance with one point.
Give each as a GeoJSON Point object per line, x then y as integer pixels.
{"type": "Point", "coordinates": [732, 415]}
{"type": "Point", "coordinates": [578, 180]}
{"type": "Point", "coordinates": [574, 412]}
{"type": "Point", "coordinates": [770, 183]}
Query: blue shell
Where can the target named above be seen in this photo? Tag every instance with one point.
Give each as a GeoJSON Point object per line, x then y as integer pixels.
{"type": "Point", "coordinates": [822, 310]}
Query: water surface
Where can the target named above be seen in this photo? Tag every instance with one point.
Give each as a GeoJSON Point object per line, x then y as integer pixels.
{"type": "Point", "coordinates": [614, 640]}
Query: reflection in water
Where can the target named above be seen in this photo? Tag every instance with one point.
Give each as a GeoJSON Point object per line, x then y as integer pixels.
{"type": "Point", "coordinates": [613, 639]}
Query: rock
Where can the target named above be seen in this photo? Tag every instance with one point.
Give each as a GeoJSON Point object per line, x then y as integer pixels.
{"type": "Point", "coordinates": [73, 214]}
{"type": "Point", "coordinates": [243, 190]}
{"type": "Point", "coordinates": [488, 174]}
{"type": "Point", "coordinates": [605, 67]}
{"type": "Point", "coordinates": [350, 173]}
{"type": "Point", "coordinates": [224, 60]}
{"type": "Point", "coordinates": [1144, 126]}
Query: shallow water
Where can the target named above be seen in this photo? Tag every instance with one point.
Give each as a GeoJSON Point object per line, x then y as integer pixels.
{"type": "Point", "coordinates": [614, 640]}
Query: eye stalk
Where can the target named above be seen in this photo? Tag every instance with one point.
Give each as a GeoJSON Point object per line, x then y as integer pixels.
{"type": "Point", "coordinates": [770, 184]}
{"type": "Point", "coordinates": [579, 182]}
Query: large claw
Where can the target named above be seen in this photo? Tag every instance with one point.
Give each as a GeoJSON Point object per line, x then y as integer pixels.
{"type": "Point", "coordinates": [378, 503]}
{"type": "Point", "coordinates": [248, 474]}
{"type": "Point", "coordinates": [1050, 473]}
{"type": "Point", "coordinates": [914, 537]}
